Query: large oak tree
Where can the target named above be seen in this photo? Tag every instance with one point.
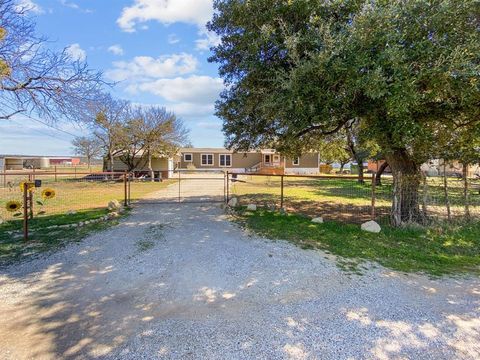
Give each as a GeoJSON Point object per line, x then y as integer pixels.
{"type": "Point", "coordinates": [297, 69]}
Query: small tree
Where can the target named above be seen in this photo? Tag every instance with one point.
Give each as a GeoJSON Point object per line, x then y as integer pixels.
{"type": "Point", "coordinates": [89, 147]}
{"type": "Point", "coordinates": [107, 120]}
{"type": "Point", "coordinates": [151, 131]}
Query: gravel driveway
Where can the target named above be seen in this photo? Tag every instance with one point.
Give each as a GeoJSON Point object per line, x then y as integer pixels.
{"type": "Point", "coordinates": [180, 281]}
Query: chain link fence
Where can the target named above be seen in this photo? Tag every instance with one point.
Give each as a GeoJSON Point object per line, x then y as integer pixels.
{"type": "Point", "coordinates": [347, 200]}
{"type": "Point", "coordinates": [59, 192]}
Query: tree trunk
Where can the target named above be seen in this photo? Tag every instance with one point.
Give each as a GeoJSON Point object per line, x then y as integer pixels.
{"type": "Point", "coordinates": [445, 190]}
{"type": "Point", "coordinates": [379, 173]}
{"type": "Point", "coordinates": [105, 164]}
{"type": "Point", "coordinates": [406, 183]}
{"type": "Point", "coordinates": [110, 155]}
{"type": "Point", "coordinates": [361, 179]}
{"type": "Point", "coordinates": [152, 174]}
{"type": "Point", "coordinates": [342, 165]}
{"type": "Point", "coordinates": [466, 197]}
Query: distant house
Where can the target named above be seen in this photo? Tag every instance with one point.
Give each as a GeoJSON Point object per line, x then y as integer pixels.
{"type": "Point", "coordinates": [266, 161]}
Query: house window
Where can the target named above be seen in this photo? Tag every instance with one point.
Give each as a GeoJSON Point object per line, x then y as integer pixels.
{"type": "Point", "coordinates": [225, 160]}
{"type": "Point", "coordinates": [207, 159]}
{"type": "Point", "coordinates": [187, 157]}
{"type": "Point", "coordinates": [296, 161]}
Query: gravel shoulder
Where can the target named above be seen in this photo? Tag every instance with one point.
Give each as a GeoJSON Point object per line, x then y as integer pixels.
{"type": "Point", "coordinates": [180, 281]}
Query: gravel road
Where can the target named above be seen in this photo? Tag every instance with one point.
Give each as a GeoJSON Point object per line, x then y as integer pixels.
{"type": "Point", "coordinates": [179, 281]}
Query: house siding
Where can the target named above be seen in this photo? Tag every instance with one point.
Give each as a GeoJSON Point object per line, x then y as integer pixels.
{"type": "Point", "coordinates": [239, 160]}
{"type": "Point", "coordinates": [306, 161]}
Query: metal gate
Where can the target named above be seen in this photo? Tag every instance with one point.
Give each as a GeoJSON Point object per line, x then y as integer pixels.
{"type": "Point", "coordinates": [193, 186]}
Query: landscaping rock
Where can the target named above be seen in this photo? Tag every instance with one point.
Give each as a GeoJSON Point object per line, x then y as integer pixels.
{"type": "Point", "coordinates": [371, 226]}
{"type": "Point", "coordinates": [114, 205]}
{"type": "Point", "coordinates": [113, 215]}
{"type": "Point", "coordinates": [252, 207]}
{"type": "Point", "coordinates": [233, 202]}
{"type": "Point", "coordinates": [282, 211]}
{"type": "Point", "coordinates": [318, 220]}
{"type": "Point", "coordinates": [70, 212]}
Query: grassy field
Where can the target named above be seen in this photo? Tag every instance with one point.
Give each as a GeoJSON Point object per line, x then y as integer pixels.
{"type": "Point", "coordinates": [435, 251]}
{"type": "Point", "coordinates": [42, 239]}
{"type": "Point", "coordinates": [78, 194]}
{"type": "Point", "coordinates": [346, 200]}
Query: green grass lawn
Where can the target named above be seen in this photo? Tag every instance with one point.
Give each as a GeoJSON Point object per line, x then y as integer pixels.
{"type": "Point", "coordinates": [346, 200]}
{"type": "Point", "coordinates": [14, 248]}
{"type": "Point", "coordinates": [435, 251]}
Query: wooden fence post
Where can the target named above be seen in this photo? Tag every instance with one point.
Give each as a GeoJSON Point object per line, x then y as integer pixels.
{"type": "Point", "coordinates": [55, 173]}
{"type": "Point", "coordinates": [25, 212]}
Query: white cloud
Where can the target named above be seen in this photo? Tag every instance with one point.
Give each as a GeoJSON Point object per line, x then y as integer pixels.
{"type": "Point", "coordinates": [29, 5]}
{"type": "Point", "coordinates": [116, 50]}
{"type": "Point", "coordinates": [192, 90]}
{"type": "Point", "coordinates": [75, 6]}
{"type": "Point", "coordinates": [207, 40]}
{"type": "Point", "coordinates": [196, 12]}
{"type": "Point", "coordinates": [173, 39]}
{"type": "Point", "coordinates": [144, 68]}
{"type": "Point", "coordinates": [76, 52]}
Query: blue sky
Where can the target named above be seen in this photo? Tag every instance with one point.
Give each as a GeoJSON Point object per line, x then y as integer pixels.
{"type": "Point", "coordinates": [156, 50]}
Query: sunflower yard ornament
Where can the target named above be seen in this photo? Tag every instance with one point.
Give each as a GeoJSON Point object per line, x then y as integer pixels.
{"type": "Point", "coordinates": [48, 194]}
{"type": "Point", "coordinates": [13, 206]}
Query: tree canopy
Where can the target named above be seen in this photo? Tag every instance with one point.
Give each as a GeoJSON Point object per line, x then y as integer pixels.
{"type": "Point", "coordinates": [298, 69]}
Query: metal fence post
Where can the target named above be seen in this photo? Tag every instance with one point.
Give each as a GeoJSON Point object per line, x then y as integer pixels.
{"type": "Point", "coordinates": [125, 202]}
{"type": "Point", "coordinates": [373, 196]}
{"type": "Point", "coordinates": [129, 188]}
{"type": "Point", "coordinates": [228, 187]}
{"type": "Point", "coordinates": [281, 192]}
{"type": "Point", "coordinates": [25, 212]}
{"type": "Point", "coordinates": [179, 179]}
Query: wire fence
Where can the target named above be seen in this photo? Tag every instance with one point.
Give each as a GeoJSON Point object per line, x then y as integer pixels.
{"type": "Point", "coordinates": [59, 192]}
{"type": "Point", "coordinates": [345, 199]}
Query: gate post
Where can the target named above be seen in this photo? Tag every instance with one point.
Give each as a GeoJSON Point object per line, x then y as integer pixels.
{"type": "Point", "coordinates": [228, 188]}
{"type": "Point", "coordinates": [179, 179]}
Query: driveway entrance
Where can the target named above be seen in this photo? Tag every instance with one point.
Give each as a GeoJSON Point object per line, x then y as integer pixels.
{"type": "Point", "coordinates": [193, 186]}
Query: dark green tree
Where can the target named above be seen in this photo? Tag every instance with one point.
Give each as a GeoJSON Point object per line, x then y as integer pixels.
{"type": "Point", "coordinates": [304, 69]}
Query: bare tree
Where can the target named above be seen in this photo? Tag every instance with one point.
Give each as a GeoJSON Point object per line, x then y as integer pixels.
{"type": "Point", "coordinates": [151, 132]}
{"type": "Point", "coordinates": [107, 122]}
{"type": "Point", "coordinates": [88, 147]}
{"type": "Point", "coordinates": [36, 79]}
